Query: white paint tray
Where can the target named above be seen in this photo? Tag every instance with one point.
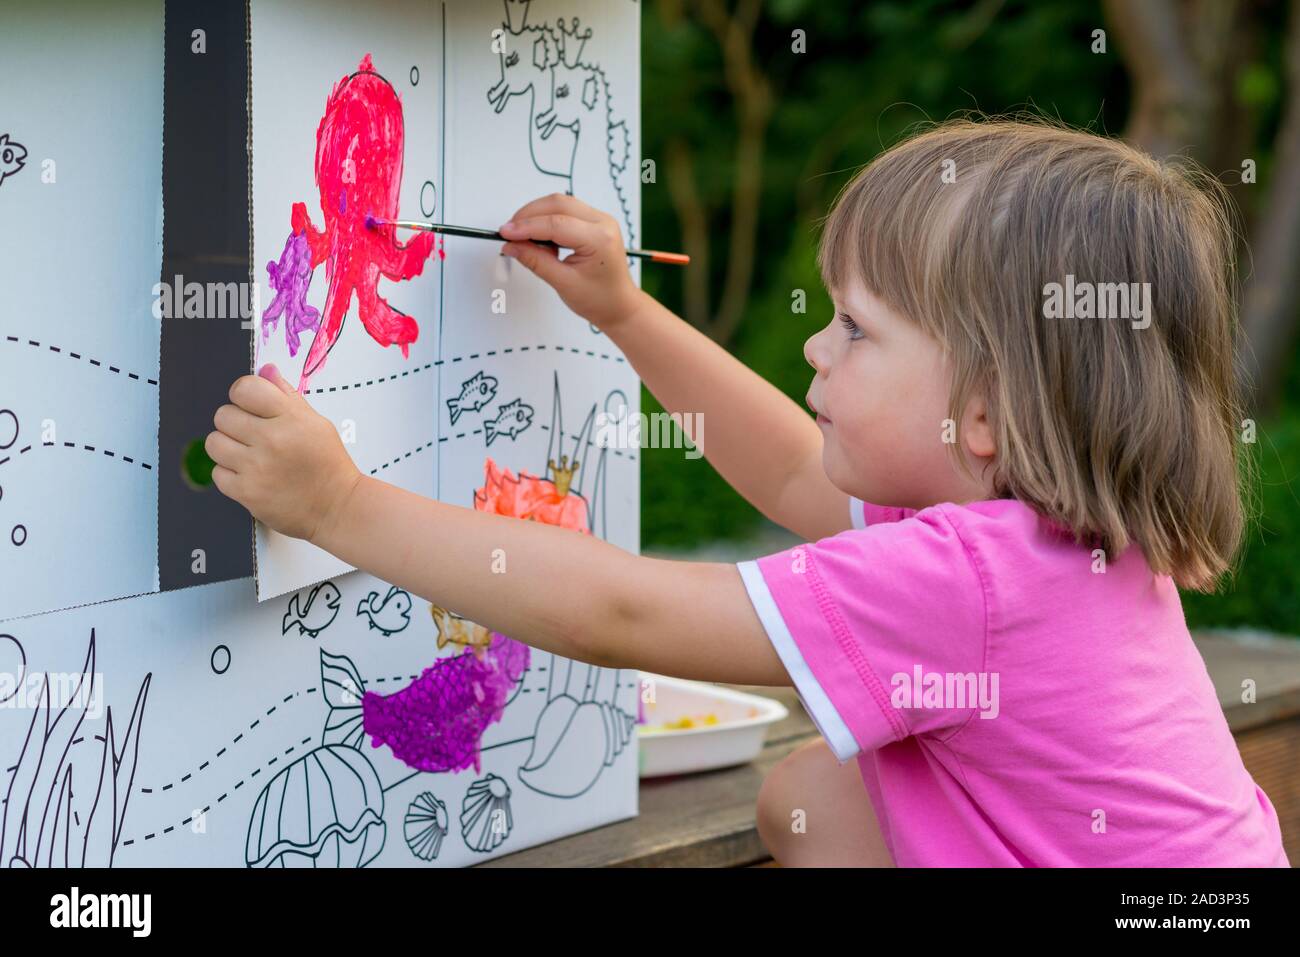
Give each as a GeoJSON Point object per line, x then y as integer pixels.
{"type": "Point", "coordinates": [737, 736]}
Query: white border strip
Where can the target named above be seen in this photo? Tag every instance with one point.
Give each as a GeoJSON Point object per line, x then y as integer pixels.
{"type": "Point", "coordinates": [857, 512]}
{"type": "Point", "coordinates": [815, 701]}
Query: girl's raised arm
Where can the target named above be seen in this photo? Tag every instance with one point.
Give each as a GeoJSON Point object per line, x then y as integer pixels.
{"type": "Point", "coordinates": [762, 443]}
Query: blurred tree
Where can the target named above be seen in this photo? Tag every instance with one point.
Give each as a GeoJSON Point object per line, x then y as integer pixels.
{"type": "Point", "coordinates": [1196, 79]}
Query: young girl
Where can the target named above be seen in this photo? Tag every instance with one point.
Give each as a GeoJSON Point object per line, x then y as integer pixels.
{"type": "Point", "coordinates": [1024, 439]}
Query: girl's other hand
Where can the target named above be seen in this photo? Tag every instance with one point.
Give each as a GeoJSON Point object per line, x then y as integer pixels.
{"type": "Point", "coordinates": [279, 457]}
{"type": "Point", "coordinates": [593, 280]}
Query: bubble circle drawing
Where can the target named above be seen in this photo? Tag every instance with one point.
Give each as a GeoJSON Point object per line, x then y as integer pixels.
{"type": "Point", "coordinates": [428, 198]}
{"type": "Point", "coordinates": [19, 534]}
{"type": "Point", "coordinates": [415, 76]}
{"type": "Point", "coordinates": [220, 659]}
{"type": "Point", "coordinates": [616, 404]}
{"type": "Point", "coordinates": [8, 428]}
{"type": "Point", "coordinates": [13, 662]}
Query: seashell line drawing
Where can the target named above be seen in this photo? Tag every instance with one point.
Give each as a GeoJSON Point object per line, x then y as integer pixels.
{"type": "Point", "coordinates": [485, 818]}
{"type": "Point", "coordinates": [425, 826]}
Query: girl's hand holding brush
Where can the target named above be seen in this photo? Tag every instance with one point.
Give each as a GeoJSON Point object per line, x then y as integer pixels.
{"type": "Point", "coordinates": [593, 280]}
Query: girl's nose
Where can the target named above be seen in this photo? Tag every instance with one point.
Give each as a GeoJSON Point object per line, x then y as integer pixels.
{"type": "Point", "coordinates": [814, 350]}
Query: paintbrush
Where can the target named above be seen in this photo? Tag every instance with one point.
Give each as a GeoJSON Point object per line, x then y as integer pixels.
{"type": "Point", "coordinates": [654, 255]}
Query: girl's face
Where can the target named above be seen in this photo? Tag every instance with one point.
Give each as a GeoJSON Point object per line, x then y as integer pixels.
{"type": "Point", "coordinates": [881, 395]}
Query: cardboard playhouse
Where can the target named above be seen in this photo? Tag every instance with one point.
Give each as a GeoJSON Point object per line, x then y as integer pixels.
{"type": "Point", "coordinates": [187, 183]}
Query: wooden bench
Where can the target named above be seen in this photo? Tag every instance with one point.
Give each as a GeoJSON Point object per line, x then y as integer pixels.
{"type": "Point", "coordinates": [707, 820]}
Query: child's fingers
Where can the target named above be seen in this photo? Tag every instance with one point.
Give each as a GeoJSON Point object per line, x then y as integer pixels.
{"type": "Point", "coordinates": [580, 235]}
{"type": "Point", "coordinates": [272, 373]}
{"type": "Point", "coordinates": [561, 203]}
{"type": "Point", "coordinates": [225, 451]}
{"type": "Point", "coordinates": [539, 259]}
{"type": "Point", "coordinates": [258, 395]}
{"type": "Point", "coordinates": [227, 482]}
{"type": "Point", "coordinates": [235, 422]}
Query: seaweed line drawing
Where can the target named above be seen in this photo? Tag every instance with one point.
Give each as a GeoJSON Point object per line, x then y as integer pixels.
{"type": "Point", "coordinates": [46, 822]}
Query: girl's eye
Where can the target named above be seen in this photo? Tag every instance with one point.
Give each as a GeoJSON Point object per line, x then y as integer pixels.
{"type": "Point", "coordinates": [851, 326]}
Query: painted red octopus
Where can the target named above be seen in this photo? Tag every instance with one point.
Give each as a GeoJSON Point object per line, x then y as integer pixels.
{"type": "Point", "coordinates": [359, 147]}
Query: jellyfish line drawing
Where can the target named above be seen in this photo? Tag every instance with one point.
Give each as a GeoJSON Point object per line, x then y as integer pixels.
{"type": "Point", "coordinates": [47, 820]}
{"type": "Point", "coordinates": [324, 810]}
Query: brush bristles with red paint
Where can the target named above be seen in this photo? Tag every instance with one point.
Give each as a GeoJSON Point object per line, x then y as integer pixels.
{"type": "Point", "coordinates": [675, 259]}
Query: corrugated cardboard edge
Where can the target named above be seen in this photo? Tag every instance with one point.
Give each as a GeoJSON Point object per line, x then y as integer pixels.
{"type": "Point", "coordinates": [252, 252]}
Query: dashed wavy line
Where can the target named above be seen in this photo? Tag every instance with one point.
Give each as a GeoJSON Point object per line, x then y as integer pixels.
{"type": "Point", "coordinates": [465, 358]}
{"type": "Point", "coordinates": [88, 448]}
{"type": "Point", "coordinates": [77, 355]}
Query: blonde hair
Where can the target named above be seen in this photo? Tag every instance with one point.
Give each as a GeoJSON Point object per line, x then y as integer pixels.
{"type": "Point", "coordinates": [1120, 434]}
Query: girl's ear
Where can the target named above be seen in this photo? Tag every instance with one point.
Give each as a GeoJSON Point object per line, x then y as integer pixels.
{"type": "Point", "coordinates": [978, 429]}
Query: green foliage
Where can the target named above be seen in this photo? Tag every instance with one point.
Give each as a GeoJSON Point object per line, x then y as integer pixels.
{"type": "Point", "coordinates": [1264, 592]}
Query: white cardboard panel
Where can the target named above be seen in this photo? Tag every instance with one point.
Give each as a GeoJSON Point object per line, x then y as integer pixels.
{"type": "Point", "coordinates": [82, 112]}
{"type": "Point", "coordinates": [211, 696]}
{"type": "Point", "coordinates": [382, 400]}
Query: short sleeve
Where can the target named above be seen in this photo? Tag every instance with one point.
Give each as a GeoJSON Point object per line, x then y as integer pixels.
{"type": "Point", "coordinates": [862, 514]}
{"type": "Point", "coordinates": [882, 629]}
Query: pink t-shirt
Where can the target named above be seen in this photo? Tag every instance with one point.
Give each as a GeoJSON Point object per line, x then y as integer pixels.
{"type": "Point", "coordinates": [1009, 703]}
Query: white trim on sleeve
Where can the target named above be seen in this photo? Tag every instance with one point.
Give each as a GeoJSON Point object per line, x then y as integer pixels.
{"type": "Point", "coordinates": [814, 698]}
{"type": "Point", "coordinates": [857, 512]}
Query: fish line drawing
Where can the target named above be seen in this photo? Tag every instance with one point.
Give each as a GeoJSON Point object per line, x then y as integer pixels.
{"type": "Point", "coordinates": [314, 613]}
{"type": "Point", "coordinates": [47, 820]}
{"type": "Point", "coordinates": [475, 393]}
{"type": "Point", "coordinates": [13, 157]}
{"type": "Point", "coordinates": [511, 420]}
{"type": "Point", "coordinates": [387, 615]}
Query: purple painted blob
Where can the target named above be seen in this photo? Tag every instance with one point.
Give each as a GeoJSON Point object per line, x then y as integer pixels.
{"type": "Point", "coordinates": [291, 278]}
{"type": "Point", "coordinates": [436, 723]}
